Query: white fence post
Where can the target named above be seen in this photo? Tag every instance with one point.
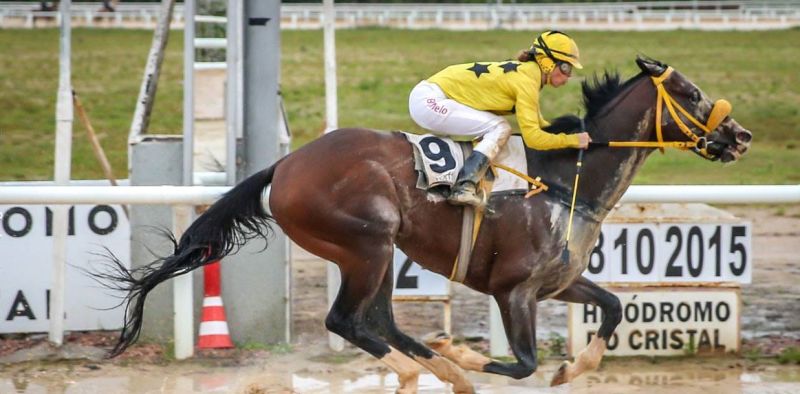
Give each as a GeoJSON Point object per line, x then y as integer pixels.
{"type": "Point", "coordinates": [332, 121]}
{"type": "Point", "coordinates": [183, 292]}
{"type": "Point", "coordinates": [63, 160]}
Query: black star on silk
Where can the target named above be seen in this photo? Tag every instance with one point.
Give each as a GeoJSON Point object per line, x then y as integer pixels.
{"type": "Point", "coordinates": [479, 69]}
{"type": "Point", "coordinates": [509, 67]}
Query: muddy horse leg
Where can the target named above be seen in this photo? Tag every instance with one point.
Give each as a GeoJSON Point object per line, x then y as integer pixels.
{"type": "Point", "coordinates": [361, 277]}
{"type": "Point", "coordinates": [462, 355]}
{"type": "Point", "coordinates": [380, 319]}
{"type": "Point", "coordinates": [583, 291]}
{"type": "Point", "coordinates": [518, 309]}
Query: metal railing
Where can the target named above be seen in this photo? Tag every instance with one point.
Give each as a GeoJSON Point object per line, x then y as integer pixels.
{"type": "Point", "coordinates": [644, 15]}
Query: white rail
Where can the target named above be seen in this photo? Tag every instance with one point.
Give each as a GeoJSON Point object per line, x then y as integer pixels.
{"type": "Point", "coordinates": [627, 15]}
{"type": "Point", "coordinates": [166, 195]}
{"type": "Point", "coordinates": [203, 195]}
{"type": "Point", "coordinates": [713, 194]}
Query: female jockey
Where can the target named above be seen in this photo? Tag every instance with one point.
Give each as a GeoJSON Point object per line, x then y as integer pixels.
{"type": "Point", "coordinates": [466, 101]}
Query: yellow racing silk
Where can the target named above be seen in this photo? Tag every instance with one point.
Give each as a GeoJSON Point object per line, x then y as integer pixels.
{"type": "Point", "coordinates": [504, 88]}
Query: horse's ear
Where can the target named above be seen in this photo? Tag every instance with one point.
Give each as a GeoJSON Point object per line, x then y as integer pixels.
{"type": "Point", "coordinates": [650, 66]}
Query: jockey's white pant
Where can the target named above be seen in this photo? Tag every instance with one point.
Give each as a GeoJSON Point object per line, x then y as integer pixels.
{"type": "Point", "coordinates": [430, 107]}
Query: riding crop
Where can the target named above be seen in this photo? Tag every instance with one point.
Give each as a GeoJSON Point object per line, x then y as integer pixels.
{"type": "Point", "coordinates": [565, 252]}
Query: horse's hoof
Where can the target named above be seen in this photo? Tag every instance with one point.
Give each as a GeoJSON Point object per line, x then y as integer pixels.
{"type": "Point", "coordinates": [465, 390]}
{"type": "Point", "coordinates": [436, 339]}
{"type": "Point", "coordinates": [560, 377]}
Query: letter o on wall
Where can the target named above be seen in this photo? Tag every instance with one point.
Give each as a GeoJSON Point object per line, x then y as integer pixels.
{"type": "Point", "coordinates": [723, 311]}
{"type": "Point", "coordinates": [93, 220]}
{"type": "Point", "coordinates": [16, 233]}
{"type": "Point", "coordinates": [631, 316]}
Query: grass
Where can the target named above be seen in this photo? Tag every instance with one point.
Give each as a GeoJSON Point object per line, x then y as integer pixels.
{"type": "Point", "coordinates": [790, 355]}
{"type": "Point", "coordinates": [377, 68]}
{"type": "Point", "coordinates": [275, 348]}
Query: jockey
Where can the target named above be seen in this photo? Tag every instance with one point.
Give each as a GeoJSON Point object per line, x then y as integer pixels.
{"type": "Point", "coordinates": [467, 101]}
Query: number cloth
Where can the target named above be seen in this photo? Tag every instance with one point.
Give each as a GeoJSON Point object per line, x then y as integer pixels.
{"type": "Point", "coordinates": [438, 161]}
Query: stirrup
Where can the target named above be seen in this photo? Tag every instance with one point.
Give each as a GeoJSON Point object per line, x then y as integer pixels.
{"type": "Point", "coordinates": [467, 194]}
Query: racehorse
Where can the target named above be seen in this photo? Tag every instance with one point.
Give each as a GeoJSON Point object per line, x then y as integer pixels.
{"type": "Point", "coordinates": [351, 195]}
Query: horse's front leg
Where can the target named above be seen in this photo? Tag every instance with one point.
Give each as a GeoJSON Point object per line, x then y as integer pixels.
{"type": "Point", "coordinates": [518, 310]}
{"type": "Point", "coordinates": [584, 291]}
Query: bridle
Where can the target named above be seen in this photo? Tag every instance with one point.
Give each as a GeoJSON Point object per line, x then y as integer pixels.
{"type": "Point", "coordinates": [698, 144]}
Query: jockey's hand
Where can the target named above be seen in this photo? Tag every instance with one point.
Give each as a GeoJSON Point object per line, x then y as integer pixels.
{"type": "Point", "coordinates": [584, 140]}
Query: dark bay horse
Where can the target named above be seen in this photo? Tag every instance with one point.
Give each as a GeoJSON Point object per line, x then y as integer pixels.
{"type": "Point", "coordinates": [349, 196]}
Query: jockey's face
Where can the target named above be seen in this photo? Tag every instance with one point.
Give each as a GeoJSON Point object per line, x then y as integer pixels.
{"type": "Point", "coordinates": [558, 78]}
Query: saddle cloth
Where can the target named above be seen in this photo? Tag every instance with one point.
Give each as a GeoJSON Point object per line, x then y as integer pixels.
{"type": "Point", "coordinates": [439, 159]}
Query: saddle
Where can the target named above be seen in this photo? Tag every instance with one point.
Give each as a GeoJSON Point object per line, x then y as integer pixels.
{"type": "Point", "coordinates": [439, 159]}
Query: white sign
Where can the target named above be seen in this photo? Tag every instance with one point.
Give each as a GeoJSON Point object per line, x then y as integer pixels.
{"type": "Point", "coordinates": [672, 252]}
{"type": "Point", "coordinates": [663, 322]}
{"type": "Point", "coordinates": [26, 266]}
{"type": "Point", "coordinates": [412, 280]}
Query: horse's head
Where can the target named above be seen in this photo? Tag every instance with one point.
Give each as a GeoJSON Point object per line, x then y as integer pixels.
{"type": "Point", "coordinates": [689, 115]}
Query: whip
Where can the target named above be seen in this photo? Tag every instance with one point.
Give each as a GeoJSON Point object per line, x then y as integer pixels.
{"type": "Point", "coordinates": [565, 252]}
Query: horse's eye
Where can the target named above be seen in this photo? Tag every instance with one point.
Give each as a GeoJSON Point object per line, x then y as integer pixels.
{"type": "Point", "coordinates": [695, 97]}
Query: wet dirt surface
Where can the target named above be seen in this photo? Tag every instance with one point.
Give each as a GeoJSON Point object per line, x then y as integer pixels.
{"type": "Point", "coordinates": [313, 369]}
{"type": "Point", "coordinates": [770, 323]}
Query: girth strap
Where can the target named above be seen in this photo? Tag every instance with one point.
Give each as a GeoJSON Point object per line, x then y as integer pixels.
{"type": "Point", "coordinates": [470, 225]}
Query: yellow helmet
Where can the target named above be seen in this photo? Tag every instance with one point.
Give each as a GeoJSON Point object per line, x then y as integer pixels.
{"type": "Point", "coordinates": [554, 46]}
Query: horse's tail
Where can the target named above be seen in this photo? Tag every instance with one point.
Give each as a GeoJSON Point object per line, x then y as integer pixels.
{"type": "Point", "coordinates": [232, 221]}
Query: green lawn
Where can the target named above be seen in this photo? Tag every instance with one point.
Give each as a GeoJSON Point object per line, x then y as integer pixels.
{"type": "Point", "coordinates": [756, 71]}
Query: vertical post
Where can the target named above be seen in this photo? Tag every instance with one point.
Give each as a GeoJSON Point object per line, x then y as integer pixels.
{"type": "Point", "coordinates": [182, 292]}
{"type": "Point", "coordinates": [188, 91]}
{"type": "Point", "coordinates": [147, 91]}
{"type": "Point", "coordinates": [331, 123]}
{"type": "Point", "coordinates": [329, 40]}
{"type": "Point", "coordinates": [258, 316]}
{"type": "Point", "coordinates": [233, 109]}
{"type": "Point", "coordinates": [498, 343]}
{"type": "Point", "coordinates": [63, 160]}
{"type": "Point", "coordinates": [182, 285]}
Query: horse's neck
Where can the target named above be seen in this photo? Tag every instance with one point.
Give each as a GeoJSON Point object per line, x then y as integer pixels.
{"type": "Point", "coordinates": [611, 170]}
{"type": "Point", "coordinates": [607, 172]}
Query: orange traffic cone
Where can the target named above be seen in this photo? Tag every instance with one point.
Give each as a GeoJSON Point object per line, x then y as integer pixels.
{"type": "Point", "coordinates": [213, 325]}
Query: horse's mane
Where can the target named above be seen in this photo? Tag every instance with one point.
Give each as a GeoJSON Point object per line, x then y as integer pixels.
{"type": "Point", "coordinates": [598, 92]}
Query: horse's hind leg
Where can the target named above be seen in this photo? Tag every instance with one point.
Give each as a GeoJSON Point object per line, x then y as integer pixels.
{"type": "Point", "coordinates": [361, 277]}
{"type": "Point", "coordinates": [380, 319]}
{"type": "Point", "coordinates": [585, 292]}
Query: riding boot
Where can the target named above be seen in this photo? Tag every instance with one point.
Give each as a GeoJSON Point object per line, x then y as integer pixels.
{"type": "Point", "coordinates": [464, 192]}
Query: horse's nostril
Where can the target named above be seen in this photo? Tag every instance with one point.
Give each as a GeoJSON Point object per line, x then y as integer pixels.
{"type": "Point", "coordinates": [744, 137]}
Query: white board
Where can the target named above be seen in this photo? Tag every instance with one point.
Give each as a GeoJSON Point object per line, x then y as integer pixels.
{"type": "Point", "coordinates": [26, 265]}
{"type": "Point", "coordinates": [412, 280]}
{"type": "Point", "coordinates": [663, 322]}
{"type": "Point", "coordinates": [672, 253]}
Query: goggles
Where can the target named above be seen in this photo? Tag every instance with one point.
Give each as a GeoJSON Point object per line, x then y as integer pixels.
{"type": "Point", "coordinates": [565, 68]}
